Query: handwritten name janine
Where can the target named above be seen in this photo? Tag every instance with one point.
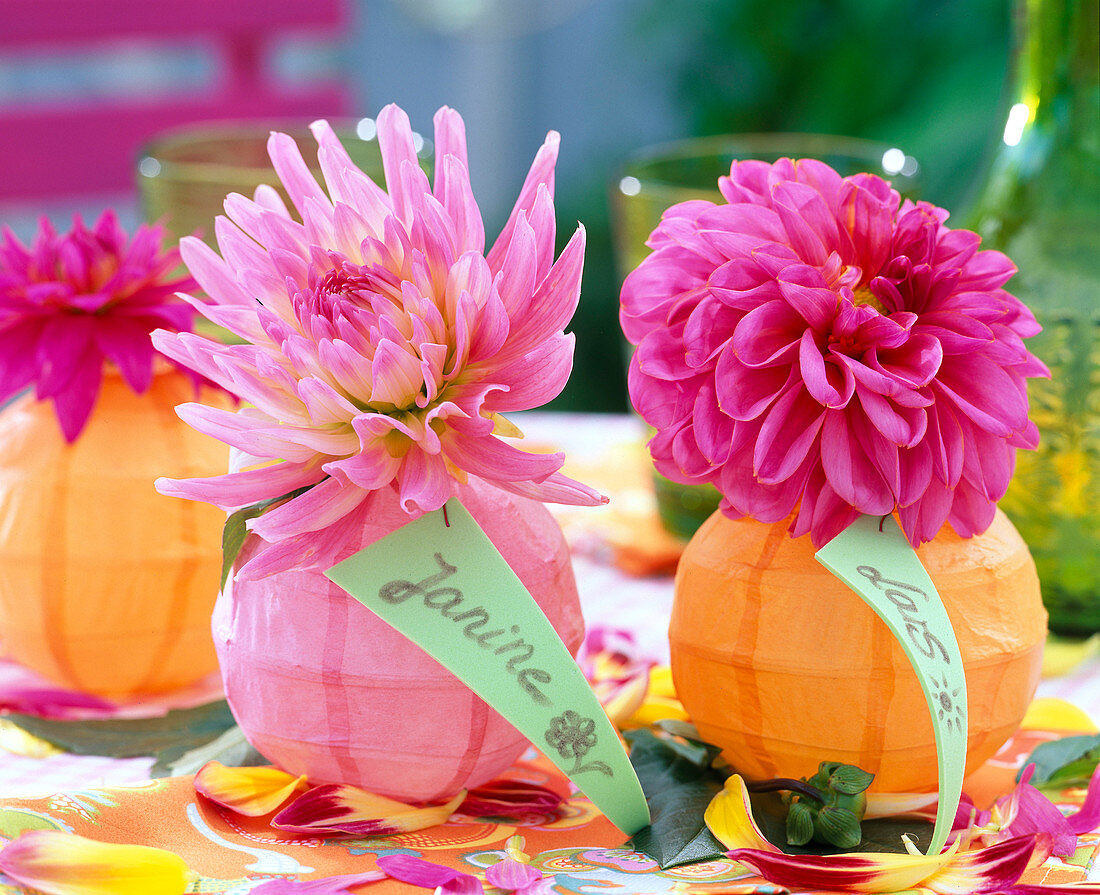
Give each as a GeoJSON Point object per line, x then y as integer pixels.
{"type": "Point", "coordinates": [448, 600]}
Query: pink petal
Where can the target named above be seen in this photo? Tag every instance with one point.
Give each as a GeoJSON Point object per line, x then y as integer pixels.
{"type": "Point", "coordinates": [418, 872]}
{"type": "Point", "coordinates": [510, 874]}
{"type": "Point", "coordinates": [333, 885]}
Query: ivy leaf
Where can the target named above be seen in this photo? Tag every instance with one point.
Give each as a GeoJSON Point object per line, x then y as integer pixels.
{"type": "Point", "coordinates": [1069, 761]}
{"type": "Point", "coordinates": [172, 734]}
{"type": "Point", "coordinates": [230, 748]}
{"type": "Point", "coordinates": [236, 528]}
{"type": "Point", "coordinates": [678, 790]}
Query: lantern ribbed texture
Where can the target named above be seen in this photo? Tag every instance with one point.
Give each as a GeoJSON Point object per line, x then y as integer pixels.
{"type": "Point", "coordinates": [323, 687]}
{"type": "Point", "coordinates": [783, 666]}
{"type": "Point", "coordinates": [105, 585]}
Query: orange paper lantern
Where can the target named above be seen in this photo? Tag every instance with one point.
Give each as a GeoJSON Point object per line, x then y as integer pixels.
{"type": "Point", "coordinates": [106, 586]}
{"type": "Point", "coordinates": [783, 666]}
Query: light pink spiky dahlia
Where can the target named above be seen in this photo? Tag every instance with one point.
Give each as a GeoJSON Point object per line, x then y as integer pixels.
{"type": "Point", "coordinates": [72, 302]}
{"type": "Point", "coordinates": [382, 342]}
{"type": "Point", "coordinates": [815, 346]}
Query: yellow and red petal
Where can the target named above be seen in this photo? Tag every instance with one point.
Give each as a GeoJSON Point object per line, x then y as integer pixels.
{"type": "Point", "coordinates": [249, 791]}
{"type": "Point", "coordinates": [990, 869]}
{"type": "Point", "coordinates": [57, 863]}
{"type": "Point", "coordinates": [510, 798]}
{"type": "Point", "coordinates": [337, 808]}
{"type": "Point", "coordinates": [729, 817]}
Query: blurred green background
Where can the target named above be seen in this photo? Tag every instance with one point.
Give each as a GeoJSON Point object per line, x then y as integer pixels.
{"type": "Point", "coordinates": [925, 76]}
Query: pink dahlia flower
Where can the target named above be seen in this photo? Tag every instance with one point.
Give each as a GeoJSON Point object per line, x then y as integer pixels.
{"type": "Point", "coordinates": [69, 303]}
{"type": "Point", "coordinates": [815, 346]}
{"type": "Point", "coordinates": [382, 341]}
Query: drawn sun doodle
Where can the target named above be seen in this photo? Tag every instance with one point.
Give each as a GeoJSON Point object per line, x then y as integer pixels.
{"type": "Point", "coordinates": [949, 704]}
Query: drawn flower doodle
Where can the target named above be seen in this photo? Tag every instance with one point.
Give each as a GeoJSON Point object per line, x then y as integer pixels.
{"type": "Point", "coordinates": [572, 736]}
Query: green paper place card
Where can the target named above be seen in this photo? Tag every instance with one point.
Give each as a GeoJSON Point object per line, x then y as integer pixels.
{"type": "Point", "coordinates": [873, 557]}
{"type": "Point", "coordinates": [440, 581]}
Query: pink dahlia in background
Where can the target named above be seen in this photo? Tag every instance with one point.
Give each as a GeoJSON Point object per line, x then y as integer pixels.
{"type": "Point", "coordinates": [69, 303]}
{"type": "Point", "coordinates": [816, 346]}
{"type": "Point", "coordinates": [382, 341]}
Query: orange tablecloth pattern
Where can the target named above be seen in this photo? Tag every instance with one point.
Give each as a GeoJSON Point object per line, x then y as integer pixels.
{"type": "Point", "coordinates": [577, 847]}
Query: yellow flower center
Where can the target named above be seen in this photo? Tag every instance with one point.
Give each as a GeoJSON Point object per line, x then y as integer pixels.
{"type": "Point", "coordinates": [864, 296]}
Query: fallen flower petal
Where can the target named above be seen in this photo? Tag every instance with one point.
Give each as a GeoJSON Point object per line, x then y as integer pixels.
{"type": "Point", "coordinates": [991, 869]}
{"type": "Point", "coordinates": [1087, 818]}
{"type": "Point", "coordinates": [333, 885]}
{"type": "Point", "coordinates": [850, 872]}
{"type": "Point", "coordinates": [512, 875]}
{"type": "Point", "coordinates": [510, 798]}
{"type": "Point", "coordinates": [57, 863]}
{"type": "Point", "coordinates": [418, 872]}
{"type": "Point", "coordinates": [51, 702]}
{"type": "Point", "coordinates": [338, 808]}
{"type": "Point", "coordinates": [252, 792]}
{"type": "Point", "coordinates": [729, 817]}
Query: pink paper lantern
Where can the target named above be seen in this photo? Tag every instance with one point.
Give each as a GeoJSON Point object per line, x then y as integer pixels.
{"type": "Point", "coordinates": [323, 687]}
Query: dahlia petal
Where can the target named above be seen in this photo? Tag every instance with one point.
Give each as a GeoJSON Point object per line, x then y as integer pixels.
{"type": "Point", "coordinates": [65, 864]}
{"type": "Point", "coordinates": [492, 459]}
{"type": "Point", "coordinates": [510, 874]}
{"type": "Point", "coordinates": [979, 389]}
{"type": "Point", "coordinates": [536, 378]}
{"type": "Point", "coordinates": [555, 488]}
{"type": "Point", "coordinates": [347, 185]}
{"type": "Point", "coordinates": [127, 344]}
{"type": "Point", "coordinates": [541, 172]}
{"type": "Point", "coordinates": [338, 808]}
{"type": "Point", "coordinates": [811, 229]}
{"type": "Point", "coordinates": [418, 872]}
{"type": "Point", "coordinates": [212, 273]}
{"type": "Point", "coordinates": [345, 884]}
{"type": "Point", "coordinates": [788, 432]}
{"type": "Point", "coordinates": [850, 471]}
{"type": "Point", "coordinates": [509, 798]}
{"type": "Point", "coordinates": [425, 482]}
{"type": "Point", "coordinates": [18, 354]}
{"type": "Point", "coordinates": [396, 375]}
{"type": "Point", "coordinates": [395, 141]}
{"type": "Point", "coordinates": [253, 435]}
{"type": "Point", "coordinates": [830, 383]}
{"type": "Point", "coordinates": [804, 290]}
{"type": "Point", "coordinates": [729, 818]}
{"type": "Point", "coordinates": [767, 335]}
{"type": "Point", "coordinates": [74, 402]}
{"type": "Point", "coordinates": [743, 392]}
{"type": "Point", "coordinates": [252, 792]}
{"type": "Point", "coordinates": [553, 303]}
{"type": "Point", "coordinates": [516, 278]}
{"type": "Point", "coordinates": [458, 200]}
{"type": "Point", "coordinates": [543, 224]}
{"type": "Point", "coordinates": [322, 505]}
{"type": "Point", "coordinates": [241, 489]}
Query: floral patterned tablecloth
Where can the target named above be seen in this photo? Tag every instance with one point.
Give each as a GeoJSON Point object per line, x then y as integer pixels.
{"type": "Point", "coordinates": [577, 847]}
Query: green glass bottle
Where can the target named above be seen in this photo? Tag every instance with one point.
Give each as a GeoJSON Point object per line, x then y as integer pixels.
{"type": "Point", "coordinates": [1040, 204]}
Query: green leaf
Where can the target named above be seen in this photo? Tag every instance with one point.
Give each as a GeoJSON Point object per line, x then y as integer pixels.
{"type": "Point", "coordinates": [236, 528]}
{"type": "Point", "coordinates": [230, 748]}
{"type": "Point", "coordinates": [1069, 761]}
{"type": "Point", "coordinates": [678, 791]}
{"type": "Point", "coordinates": [171, 735]}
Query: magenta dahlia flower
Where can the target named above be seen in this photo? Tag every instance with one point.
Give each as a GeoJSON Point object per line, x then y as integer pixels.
{"type": "Point", "coordinates": [814, 346]}
{"type": "Point", "coordinates": [70, 303]}
{"type": "Point", "coordinates": [382, 342]}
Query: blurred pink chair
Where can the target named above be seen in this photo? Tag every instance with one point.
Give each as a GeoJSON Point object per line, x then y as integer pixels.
{"type": "Point", "coordinates": [58, 148]}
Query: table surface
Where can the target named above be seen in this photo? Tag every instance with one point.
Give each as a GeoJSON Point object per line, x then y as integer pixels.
{"type": "Point", "coordinates": [610, 597]}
